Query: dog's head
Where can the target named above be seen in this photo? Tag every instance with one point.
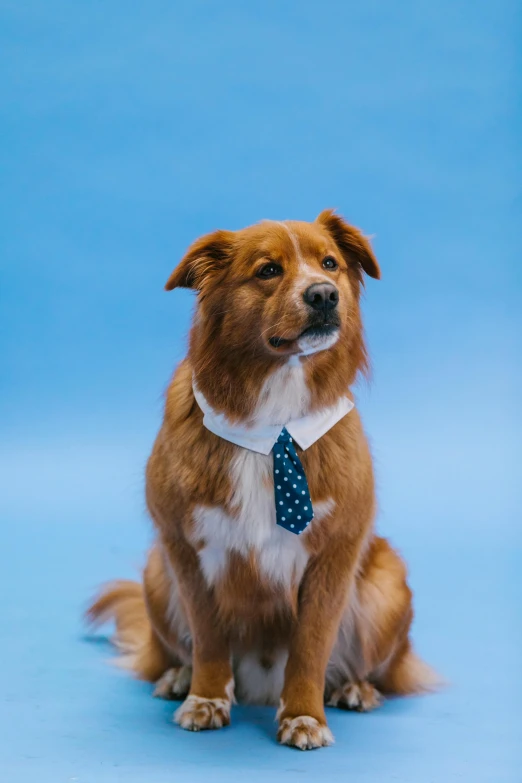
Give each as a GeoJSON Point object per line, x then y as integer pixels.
{"type": "Point", "coordinates": [277, 290]}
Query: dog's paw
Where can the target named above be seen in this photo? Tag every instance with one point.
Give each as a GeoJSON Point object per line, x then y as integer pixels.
{"type": "Point", "coordinates": [304, 733]}
{"type": "Point", "coordinates": [174, 684]}
{"type": "Point", "coordinates": [361, 696]}
{"type": "Point", "coordinates": [197, 714]}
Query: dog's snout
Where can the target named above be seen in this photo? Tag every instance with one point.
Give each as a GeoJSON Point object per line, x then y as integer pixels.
{"type": "Point", "coordinates": [322, 296]}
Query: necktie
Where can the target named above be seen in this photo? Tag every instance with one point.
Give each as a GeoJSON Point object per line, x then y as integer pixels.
{"type": "Point", "coordinates": [294, 509]}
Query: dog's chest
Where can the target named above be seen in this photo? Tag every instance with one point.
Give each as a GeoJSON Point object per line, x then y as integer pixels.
{"type": "Point", "coordinates": [249, 526]}
{"type": "Point", "coordinates": [250, 529]}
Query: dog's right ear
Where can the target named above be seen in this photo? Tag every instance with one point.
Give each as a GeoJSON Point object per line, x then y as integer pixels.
{"type": "Point", "coordinates": [207, 256]}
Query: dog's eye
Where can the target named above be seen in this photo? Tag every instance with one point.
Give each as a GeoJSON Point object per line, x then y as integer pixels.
{"type": "Point", "coordinates": [269, 270]}
{"type": "Point", "coordinates": [329, 263]}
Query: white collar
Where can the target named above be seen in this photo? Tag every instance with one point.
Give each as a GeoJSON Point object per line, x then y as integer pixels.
{"type": "Point", "coordinates": [305, 430]}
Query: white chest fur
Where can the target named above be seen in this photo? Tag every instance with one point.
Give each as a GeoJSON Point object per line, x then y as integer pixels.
{"type": "Point", "coordinates": [281, 556]}
{"type": "Point", "coordinates": [251, 528]}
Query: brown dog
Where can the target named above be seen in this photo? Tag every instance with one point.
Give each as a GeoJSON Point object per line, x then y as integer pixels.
{"type": "Point", "coordinates": [233, 601]}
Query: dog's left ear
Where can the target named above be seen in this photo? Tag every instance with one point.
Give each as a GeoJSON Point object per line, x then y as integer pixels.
{"type": "Point", "coordinates": [207, 256]}
{"type": "Point", "coordinates": [351, 242]}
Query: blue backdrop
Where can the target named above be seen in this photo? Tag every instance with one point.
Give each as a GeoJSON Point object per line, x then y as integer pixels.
{"type": "Point", "coordinates": [128, 131]}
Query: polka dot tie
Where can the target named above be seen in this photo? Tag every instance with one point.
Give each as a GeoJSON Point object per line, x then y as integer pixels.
{"type": "Point", "coordinates": [293, 504]}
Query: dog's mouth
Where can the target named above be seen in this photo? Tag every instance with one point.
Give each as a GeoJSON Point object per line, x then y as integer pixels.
{"type": "Point", "coordinates": [316, 333]}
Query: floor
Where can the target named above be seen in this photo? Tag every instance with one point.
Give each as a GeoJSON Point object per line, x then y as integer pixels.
{"type": "Point", "coordinates": [67, 714]}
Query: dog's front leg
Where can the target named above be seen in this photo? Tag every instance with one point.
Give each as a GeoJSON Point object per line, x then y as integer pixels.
{"type": "Point", "coordinates": [208, 703]}
{"type": "Point", "coordinates": [322, 597]}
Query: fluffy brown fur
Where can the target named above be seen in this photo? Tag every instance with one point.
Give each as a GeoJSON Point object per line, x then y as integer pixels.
{"type": "Point", "coordinates": [340, 620]}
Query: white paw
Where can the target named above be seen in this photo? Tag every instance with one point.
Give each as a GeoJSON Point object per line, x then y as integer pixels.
{"type": "Point", "coordinates": [304, 733]}
{"type": "Point", "coordinates": [361, 696]}
{"type": "Point", "coordinates": [174, 684]}
{"type": "Point", "coordinates": [196, 713]}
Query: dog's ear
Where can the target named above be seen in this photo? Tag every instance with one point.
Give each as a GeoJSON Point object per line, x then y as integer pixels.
{"type": "Point", "coordinates": [206, 256]}
{"type": "Point", "coordinates": [351, 242]}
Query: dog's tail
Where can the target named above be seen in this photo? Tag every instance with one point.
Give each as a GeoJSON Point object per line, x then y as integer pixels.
{"type": "Point", "coordinates": [141, 650]}
{"type": "Point", "coordinates": [409, 674]}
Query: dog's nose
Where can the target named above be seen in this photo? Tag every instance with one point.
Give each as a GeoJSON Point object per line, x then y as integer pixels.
{"type": "Point", "coordinates": [322, 296]}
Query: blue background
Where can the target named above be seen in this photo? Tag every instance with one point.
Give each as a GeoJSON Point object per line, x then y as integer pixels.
{"type": "Point", "coordinates": [127, 131]}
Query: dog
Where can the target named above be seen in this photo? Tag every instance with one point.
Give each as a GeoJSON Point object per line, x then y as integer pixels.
{"type": "Point", "coordinates": [251, 592]}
